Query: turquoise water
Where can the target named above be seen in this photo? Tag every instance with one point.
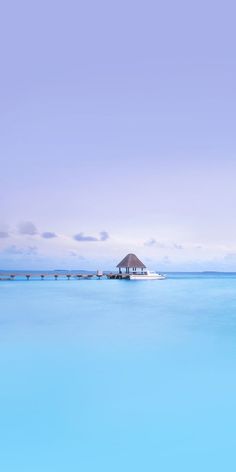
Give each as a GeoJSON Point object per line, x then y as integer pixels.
{"type": "Point", "coordinates": [107, 375]}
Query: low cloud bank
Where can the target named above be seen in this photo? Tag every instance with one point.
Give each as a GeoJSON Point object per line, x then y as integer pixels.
{"type": "Point", "coordinates": [15, 250]}
{"type": "Point", "coordinates": [104, 236]}
{"type": "Point", "coordinates": [27, 228]}
{"type": "Point", "coordinates": [48, 235]}
{"type": "Point", "coordinates": [154, 243]}
{"type": "Point", "coordinates": [4, 234]}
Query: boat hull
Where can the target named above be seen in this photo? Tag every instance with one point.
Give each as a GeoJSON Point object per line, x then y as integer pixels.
{"type": "Point", "coordinates": [147, 277]}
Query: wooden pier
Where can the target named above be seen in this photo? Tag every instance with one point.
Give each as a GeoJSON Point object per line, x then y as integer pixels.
{"type": "Point", "coordinates": [118, 276]}
{"type": "Point", "coordinates": [59, 275]}
{"type": "Point", "coordinates": [130, 263]}
{"type": "Point", "coordinates": [49, 275]}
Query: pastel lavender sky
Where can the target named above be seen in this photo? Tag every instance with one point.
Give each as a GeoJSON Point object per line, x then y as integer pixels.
{"type": "Point", "coordinates": [117, 134]}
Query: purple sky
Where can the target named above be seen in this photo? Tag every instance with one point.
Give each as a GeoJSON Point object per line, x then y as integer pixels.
{"type": "Point", "coordinates": [117, 134]}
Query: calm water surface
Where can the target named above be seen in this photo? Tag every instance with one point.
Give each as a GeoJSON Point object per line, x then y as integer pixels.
{"type": "Point", "coordinates": [117, 375]}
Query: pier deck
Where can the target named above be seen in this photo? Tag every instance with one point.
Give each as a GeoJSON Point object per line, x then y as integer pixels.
{"type": "Point", "coordinates": [44, 275]}
{"type": "Point", "coordinates": [59, 275]}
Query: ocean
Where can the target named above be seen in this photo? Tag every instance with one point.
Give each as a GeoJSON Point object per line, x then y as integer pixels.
{"type": "Point", "coordinates": [111, 375]}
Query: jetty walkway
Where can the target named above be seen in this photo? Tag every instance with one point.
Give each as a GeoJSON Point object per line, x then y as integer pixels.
{"type": "Point", "coordinates": [48, 275]}
{"type": "Point", "coordinates": [60, 275]}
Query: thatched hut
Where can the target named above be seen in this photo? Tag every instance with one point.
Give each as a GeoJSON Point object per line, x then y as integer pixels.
{"type": "Point", "coordinates": [130, 263]}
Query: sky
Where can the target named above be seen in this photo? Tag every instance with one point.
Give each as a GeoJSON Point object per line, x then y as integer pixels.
{"type": "Point", "coordinates": [117, 134]}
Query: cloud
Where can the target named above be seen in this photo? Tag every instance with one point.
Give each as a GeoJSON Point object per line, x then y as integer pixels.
{"type": "Point", "coordinates": [31, 250]}
{"type": "Point", "coordinates": [27, 227]}
{"type": "Point", "coordinates": [104, 236]}
{"type": "Point", "coordinates": [14, 250]}
{"type": "Point", "coordinates": [82, 237]}
{"type": "Point", "coordinates": [75, 254]}
{"type": "Point", "coordinates": [152, 242]}
{"type": "Point", "coordinates": [166, 260]}
{"type": "Point", "coordinates": [4, 234]}
{"type": "Point", "coordinates": [48, 235]}
{"type": "Point", "coordinates": [177, 246]}
{"type": "Point", "coordinates": [231, 256]}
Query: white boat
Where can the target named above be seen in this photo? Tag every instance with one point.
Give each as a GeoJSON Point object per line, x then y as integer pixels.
{"type": "Point", "coordinates": [147, 275]}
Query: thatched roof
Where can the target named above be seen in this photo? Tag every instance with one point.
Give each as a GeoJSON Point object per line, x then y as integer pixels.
{"type": "Point", "coordinates": [131, 261]}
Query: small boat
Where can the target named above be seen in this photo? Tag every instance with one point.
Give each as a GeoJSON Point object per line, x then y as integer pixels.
{"type": "Point", "coordinates": [147, 275]}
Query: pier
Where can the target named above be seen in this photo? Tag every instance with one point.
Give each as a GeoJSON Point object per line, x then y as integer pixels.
{"type": "Point", "coordinates": [64, 276]}
{"type": "Point", "coordinates": [117, 276]}
{"type": "Point", "coordinates": [130, 263]}
{"type": "Point", "coordinates": [49, 275]}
